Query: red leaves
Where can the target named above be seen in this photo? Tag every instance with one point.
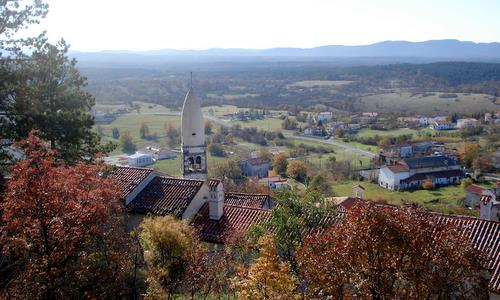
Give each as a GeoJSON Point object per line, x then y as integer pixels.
{"type": "Point", "coordinates": [381, 251]}
{"type": "Point", "coordinates": [57, 219]}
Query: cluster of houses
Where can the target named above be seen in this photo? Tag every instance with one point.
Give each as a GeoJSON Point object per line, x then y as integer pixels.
{"type": "Point", "coordinates": [150, 155]}
{"type": "Point", "coordinates": [326, 126]}
{"type": "Point", "coordinates": [493, 118]}
{"type": "Point", "coordinates": [487, 201]}
{"type": "Point", "coordinates": [257, 169]}
{"type": "Point", "coordinates": [442, 122]}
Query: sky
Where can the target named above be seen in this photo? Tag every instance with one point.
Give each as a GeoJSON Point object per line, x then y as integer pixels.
{"type": "Point", "coordinates": [95, 25]}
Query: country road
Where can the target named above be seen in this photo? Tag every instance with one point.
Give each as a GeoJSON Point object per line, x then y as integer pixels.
{"type": "Point", "coordinates": [338, 144]}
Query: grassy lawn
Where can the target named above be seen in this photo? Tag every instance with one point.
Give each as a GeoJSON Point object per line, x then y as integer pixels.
{"type": "Point", "coordinates": [340, 154]}
{"type": "Point", "coordinates": [444, 199]}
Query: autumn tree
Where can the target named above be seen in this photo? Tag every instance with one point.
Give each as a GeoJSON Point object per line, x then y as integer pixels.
{"type": "Point", "coordinates": [320, 183]}
{"type": "Point", "coordinates": [280, 163]}
{"type": "Point", "coordinates": [227, 170]}
{"type": "Point", "coordinates": [127, 142]}
{"type": "Point", "coordinates": [267, 277]}
{"type": "Point", "coordinates": [467, 152]}
{"type": "Point", "coordinates": [144, 131]}
{"type": "Point", "coordinates": [177, 263]}
{"type": "Point", "coordinates": [173, 134]}
{"type": "Point", "coordinates": [427, 184]}
{"type": "Point", "coordinates": [62, 230]}
{"type": "Point", "coordinates": [388, 252]}
{"type": "Point", "coordinates": [297, 170]}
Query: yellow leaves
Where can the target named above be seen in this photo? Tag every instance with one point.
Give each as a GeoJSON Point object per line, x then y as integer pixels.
{"type": "Point", "coordinates": [267, 277]}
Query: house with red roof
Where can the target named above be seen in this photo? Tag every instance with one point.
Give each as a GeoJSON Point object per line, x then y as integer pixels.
{"type": "Point", "coordinates": [411, 173]}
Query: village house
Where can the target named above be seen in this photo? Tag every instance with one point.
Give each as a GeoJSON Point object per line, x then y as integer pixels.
{"type": "Point", "coordinates": [473, 196]}
{"type": "Point", "coordinates": [275, 183]}
{"type": "Point", "coordinates": [441, 125]}
{"type": "Point", "coordinates": [468, 122]}
{"type": "Point", "coordinates": [324, 116]}
{"type": "Point", "coordinates": [315, 131]}
{"type": "Point", "coordinates": [159, 153]}
{"type": "Point", "coordinates": [411, 173]}
{"type": "Point", "coordinates": [399, 151]}
{"type": "Point", "coordinates": [490, 204]}
{"type": "Point", "coordinates": [139, 159]}
{"type": "Point", "coordinates": [258, 167]}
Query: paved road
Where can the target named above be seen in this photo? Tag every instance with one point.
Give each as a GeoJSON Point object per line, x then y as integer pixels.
{"type": "Point", "coordinates": [335, 143]}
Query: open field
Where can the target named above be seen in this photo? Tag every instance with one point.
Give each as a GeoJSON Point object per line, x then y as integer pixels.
{"type": "Point", "coordinates": [444, 199]}
{"type": "Point", "coordinates": [144, 107]}
{"type": "Point", "coordinates": [404, 102]}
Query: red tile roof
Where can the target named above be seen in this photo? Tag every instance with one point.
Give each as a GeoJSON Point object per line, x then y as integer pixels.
{"type": "Point", "coordinates": [485, 236]}
{"type": "Point", "coordinates": [247, 200]}
{"type": "Point", "coordinates": [349, 203]}
{"type": "Point", "coordinates": [128, 178]}
{"type": "Point", "coordinates": [234, 219]}
{"type": "Point", "coordinates": [165, 195]}
{"type": "Point", "coordinates": [398, 168]}
{"type": "Point", "coordinates": [474, 189]}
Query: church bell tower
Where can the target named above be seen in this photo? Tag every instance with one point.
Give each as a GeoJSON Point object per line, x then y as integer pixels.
{"type": "Point", "coordinates": [194, 147]}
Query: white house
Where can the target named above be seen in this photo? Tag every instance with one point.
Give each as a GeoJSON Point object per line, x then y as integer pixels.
{"type": "Point", "coordinates": [140, 159]}
{"type": "Point", "coordinates": [411, 173]}
{"type": "Point", "coordinates": [468, 122]}
{"type": "Point", "coordinates": [439, 125]}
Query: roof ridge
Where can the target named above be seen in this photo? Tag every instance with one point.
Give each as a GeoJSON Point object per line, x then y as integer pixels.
{"type": "Point", "coordinates": [246, 207]}
{"type": "Point", "coordinates": [241, 193]}
{"type": "Point", "coordinates": [178, 178]}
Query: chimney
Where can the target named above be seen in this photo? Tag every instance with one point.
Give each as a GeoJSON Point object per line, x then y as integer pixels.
{"type": "Point", "coordinates": [358, 191]}
{"type": "Point", "coordinates": [215, 200]}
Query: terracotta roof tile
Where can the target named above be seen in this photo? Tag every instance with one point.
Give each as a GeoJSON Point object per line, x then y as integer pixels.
{"type": "Point", "coordinates": [398, 168]}
{"type": "Point", "coordinates": [485, 236]}
{"type": "Point", "coordinates": [474, 189]}
{"type": "Point", "coordinates": [234, 219]}
{"type": "Point", "coordinates": [247, 200]}
{"type": "Point", "coordinates": [165, 195]}
{"type": "Point", "coordinates": [128, 178]}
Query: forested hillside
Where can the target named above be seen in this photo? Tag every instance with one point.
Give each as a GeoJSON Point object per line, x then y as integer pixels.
{"type": "Point", "coordinates": [278, 84]}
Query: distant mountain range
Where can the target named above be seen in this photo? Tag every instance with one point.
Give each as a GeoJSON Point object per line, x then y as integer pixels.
{"type": "Point", "coordinates": [383, 52]}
